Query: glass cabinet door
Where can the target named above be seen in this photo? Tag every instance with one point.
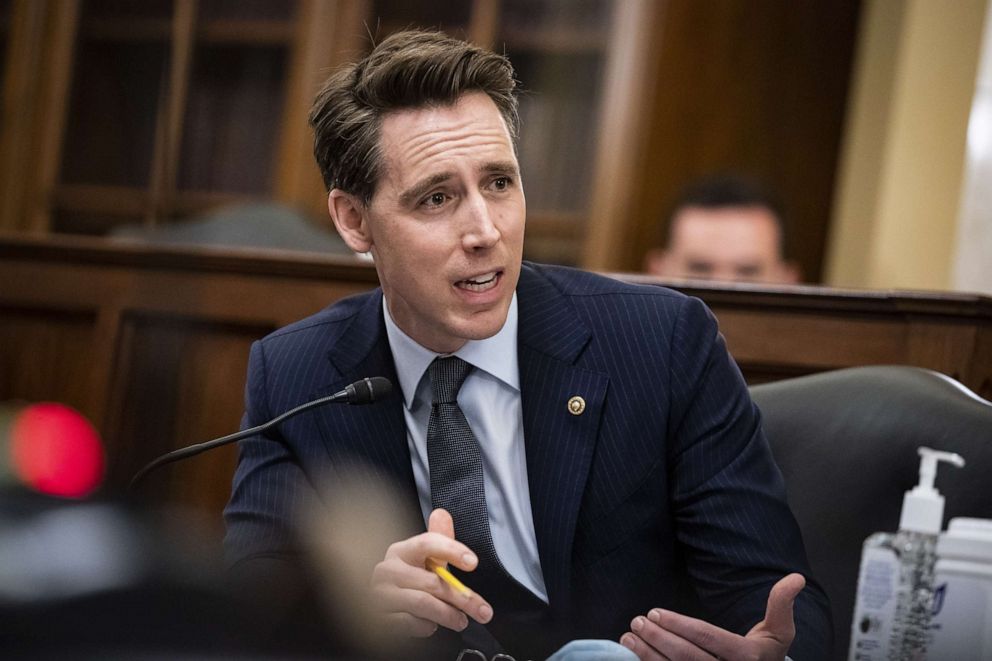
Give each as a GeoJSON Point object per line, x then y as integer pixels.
{"type": "Point", "coordinates": [559, 50]}
{"type": "Point", "coordinates": [174, 108]}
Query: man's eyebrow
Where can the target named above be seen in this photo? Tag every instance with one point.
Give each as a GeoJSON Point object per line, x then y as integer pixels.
{"type": "Point", "coordinates": [422, 187]}
{"type": "Point", "coordinates": [507, 167]}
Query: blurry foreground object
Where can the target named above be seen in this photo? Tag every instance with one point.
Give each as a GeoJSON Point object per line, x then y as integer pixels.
{"type": "Point", "coordinates": [84, 578]}
{"type": "Point", "coordinates": [55, 450]}
{"type": "Point", "coordinates": [93, 580]}
{"type": "Point", "coordinates": [344, 540]}
{"type": "Point", "coordinates": [725, 228]}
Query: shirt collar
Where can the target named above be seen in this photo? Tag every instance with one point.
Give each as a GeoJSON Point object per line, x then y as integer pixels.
{"type": "Point", "coordinates": [496, 355]}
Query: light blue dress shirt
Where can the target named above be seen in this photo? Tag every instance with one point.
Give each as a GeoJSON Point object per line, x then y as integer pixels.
{"type": "Point", "coordinates": [490, 400]}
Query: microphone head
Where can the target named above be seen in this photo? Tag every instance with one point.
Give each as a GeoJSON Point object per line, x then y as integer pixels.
{"type": "Point", "coordinates": [368, 390]}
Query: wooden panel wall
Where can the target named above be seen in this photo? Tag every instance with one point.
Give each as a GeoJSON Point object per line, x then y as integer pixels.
{"type": "Point", "coordinates": [151, 344]}
{"type": "Point", "coordinates": [775, 334]}
{"type": "Point", "coordinates": [46, 354]}
{"type": "Point", "coordinates": [177, 381]}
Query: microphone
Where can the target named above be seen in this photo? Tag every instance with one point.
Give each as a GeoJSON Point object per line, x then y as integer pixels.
{"type": "Point", "coordinates": [364, 391]}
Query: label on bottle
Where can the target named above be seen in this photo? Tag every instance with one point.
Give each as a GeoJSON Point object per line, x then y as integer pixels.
{"type": "Point", "coordinates": [875, 605]}
{"type": "Point", "coordinates": [960, 609]}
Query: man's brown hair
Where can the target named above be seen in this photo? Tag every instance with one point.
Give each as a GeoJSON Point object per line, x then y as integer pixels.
{"type": "Point", "coordinates": [411, 69]}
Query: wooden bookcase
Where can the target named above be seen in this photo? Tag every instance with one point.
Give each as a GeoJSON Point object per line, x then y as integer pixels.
{"type": "Point", "coordinates": [126, 111]}
{"type": "Point", "coordinates": [152, 111]}
{"type": "Point", "coordinates": [5, 7]}
{"type": "Point", "coordinates": [155, 111]}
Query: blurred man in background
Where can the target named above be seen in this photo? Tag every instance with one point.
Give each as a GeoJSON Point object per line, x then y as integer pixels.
{"type": "Point", "coordinates": [724, 228]}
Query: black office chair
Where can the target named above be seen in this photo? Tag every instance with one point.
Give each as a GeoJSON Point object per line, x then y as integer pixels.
{"type": "Point", "coordinates": [846, 443]}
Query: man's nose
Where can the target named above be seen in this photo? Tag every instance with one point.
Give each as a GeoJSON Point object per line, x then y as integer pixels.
{"type": "Point", "coordinates": [480, 230]}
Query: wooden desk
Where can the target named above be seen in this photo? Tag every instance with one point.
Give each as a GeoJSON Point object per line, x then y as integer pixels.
{"type": "Point", "coordinates": [151, 343]}
{"type": "Point", "coordinates": [778, 332]}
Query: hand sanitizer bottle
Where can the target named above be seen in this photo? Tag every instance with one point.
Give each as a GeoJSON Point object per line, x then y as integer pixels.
{"type": "Point", "coordinates": [962, 602]}
{"type": "Point", "coordinates": [893, 606]}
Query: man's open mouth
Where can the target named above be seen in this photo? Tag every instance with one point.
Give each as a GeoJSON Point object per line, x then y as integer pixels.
{"type": "Point", "coordinates": [479, 283]}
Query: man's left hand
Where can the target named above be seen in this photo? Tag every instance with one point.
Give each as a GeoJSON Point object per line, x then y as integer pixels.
{"type": "Point", "coordinates": [667, 635]}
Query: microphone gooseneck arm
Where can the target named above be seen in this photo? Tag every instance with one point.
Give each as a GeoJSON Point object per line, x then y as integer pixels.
{"type": "Point", "coordinates": [364, 391]}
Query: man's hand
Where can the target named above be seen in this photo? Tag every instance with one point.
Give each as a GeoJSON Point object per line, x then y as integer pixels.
{"type": "Point", "coordinates": [667, 635]}
{"type": "Point", "coordinates": [414, 600]}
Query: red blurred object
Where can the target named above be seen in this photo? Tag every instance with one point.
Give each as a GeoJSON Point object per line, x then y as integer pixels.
{"type": "Point", "coordinates": [55, 450]}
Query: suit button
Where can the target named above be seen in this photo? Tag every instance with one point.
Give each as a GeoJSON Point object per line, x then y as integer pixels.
{"type": "Point", "coordinates": [576, 405]}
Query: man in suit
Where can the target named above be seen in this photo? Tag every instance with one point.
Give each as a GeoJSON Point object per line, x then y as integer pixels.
{"type": "Point", "coordinates": [607, 462]}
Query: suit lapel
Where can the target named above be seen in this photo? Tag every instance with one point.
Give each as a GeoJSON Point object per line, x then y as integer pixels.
{"type": "Point", "coordinates": [372, 435]}
{"type": "Point", "coordinates": [559, 441]}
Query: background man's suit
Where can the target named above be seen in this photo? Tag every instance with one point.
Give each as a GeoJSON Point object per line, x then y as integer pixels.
{"type": "Point", "coordinates": [662, 493]}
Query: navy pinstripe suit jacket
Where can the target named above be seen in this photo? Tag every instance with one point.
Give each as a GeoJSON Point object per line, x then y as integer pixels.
{"type": "Point", "coordinates": [663, 493]}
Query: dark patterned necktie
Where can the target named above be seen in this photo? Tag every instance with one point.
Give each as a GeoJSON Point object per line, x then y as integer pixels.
{"type": "Point", "coordinates": [456, 462]}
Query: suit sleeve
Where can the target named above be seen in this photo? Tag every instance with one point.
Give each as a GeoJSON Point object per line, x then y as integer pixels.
{"type": "Point", "coordinates": [270, 489]}
{"type": "Point", "coordinates": [732, 518]}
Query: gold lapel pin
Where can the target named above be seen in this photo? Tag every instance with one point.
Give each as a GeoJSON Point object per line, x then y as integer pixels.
{"type": "Point", "coordinates": [576, 405]}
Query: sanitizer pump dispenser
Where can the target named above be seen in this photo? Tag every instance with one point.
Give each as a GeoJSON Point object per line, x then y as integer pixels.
{"type": "Point", "coordinates": [893, 606]}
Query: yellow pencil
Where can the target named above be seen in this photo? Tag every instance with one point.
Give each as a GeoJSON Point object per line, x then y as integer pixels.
{"type": "Point", "coordinates": [448, 577]}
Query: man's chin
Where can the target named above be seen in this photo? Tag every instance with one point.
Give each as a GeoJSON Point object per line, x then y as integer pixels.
{"type": "Point", "coordinates": [482, 332]}
{"type": "Point", "coordinates": [482, 326]}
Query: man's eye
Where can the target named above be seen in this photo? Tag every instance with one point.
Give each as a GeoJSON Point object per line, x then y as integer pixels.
{"type": "Point", "coordinates": [748, 271]}
{"type": "Point", "coordinates": [699, 268]}
{"type": "Point", "coordinates": [501, 183]}
{"type": "Point", "coordinates": [435, 199]}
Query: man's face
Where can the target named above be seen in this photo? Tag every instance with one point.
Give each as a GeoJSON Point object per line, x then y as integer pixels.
{"type": "Point", "coordinates": [446, 223]}
{"type": "Point", "coordinates": [738, 244]}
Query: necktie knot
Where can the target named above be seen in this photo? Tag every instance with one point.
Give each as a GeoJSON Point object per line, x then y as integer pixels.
{"type": "Point", "coordinates": [447, 376]}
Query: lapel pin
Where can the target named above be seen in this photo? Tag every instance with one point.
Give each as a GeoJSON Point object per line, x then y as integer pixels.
{"type": "Point", "coordinates": [576, 405]}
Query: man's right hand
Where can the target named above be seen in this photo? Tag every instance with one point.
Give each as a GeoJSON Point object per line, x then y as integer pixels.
{"type": "Point", "coordinates": [413, 599]}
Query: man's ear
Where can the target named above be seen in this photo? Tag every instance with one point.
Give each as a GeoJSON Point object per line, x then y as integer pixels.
{"type": "Point", "coordinates": [348, 215]}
